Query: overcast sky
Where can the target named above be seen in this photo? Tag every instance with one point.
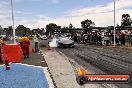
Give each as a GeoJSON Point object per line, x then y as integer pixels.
{"type": "Point", "coordinates": [38, 13]}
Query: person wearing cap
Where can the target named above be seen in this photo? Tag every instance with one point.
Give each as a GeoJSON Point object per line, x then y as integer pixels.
{"type": "Point", "coordinates": [1, 43]}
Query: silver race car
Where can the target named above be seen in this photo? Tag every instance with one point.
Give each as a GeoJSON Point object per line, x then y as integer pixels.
{"type": "Point", "coordinates": [64, 41]}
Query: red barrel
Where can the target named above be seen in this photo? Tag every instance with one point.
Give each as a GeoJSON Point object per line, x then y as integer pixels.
{"type": "Point", "coordinates": [12, 52]}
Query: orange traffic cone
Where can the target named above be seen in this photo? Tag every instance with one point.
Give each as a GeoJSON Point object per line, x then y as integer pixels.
{"type": "Point", "coordinates": [49, 48]}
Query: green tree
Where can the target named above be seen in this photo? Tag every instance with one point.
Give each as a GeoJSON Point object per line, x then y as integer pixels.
{"type": "Point", "coordinates": [34, 31]}
{"type": "Point", "coordinates": [87, 24]}
{"type": "Point", "coordinates": [51, 28]}
{"type": "Point", "coordinates": [5, 31]}
{"type": "Point", "coordinates": [1, 30]}
{"type": "Point", "coordinates": [38, 30]}
{"type": "Point", "coordinates": [42, 31]}
{"type": "Point", "coordinates": [20, 30]}
{"type": "Point", "coordinates": [70, 25]}
{"type": "Point", "coordinates": [10, 31]}
{"type": "Point", "coordinates": [126, 20]}
{"type": "Point", "coordinates": [28, 31]}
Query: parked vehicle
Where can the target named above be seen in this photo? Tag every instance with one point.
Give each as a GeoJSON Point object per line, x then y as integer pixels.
{"type": "Point", "coordinates": [44, 37]}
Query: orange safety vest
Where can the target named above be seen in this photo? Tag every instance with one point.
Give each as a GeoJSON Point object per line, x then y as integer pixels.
{"type": "Point", "coordinates": [24, 39]}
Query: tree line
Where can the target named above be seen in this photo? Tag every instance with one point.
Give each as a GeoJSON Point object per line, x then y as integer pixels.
{"type": "Point", "coordinates": [51, 28]}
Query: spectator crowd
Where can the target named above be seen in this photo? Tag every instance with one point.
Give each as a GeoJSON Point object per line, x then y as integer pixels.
{"type": "Point", "coordinates": [104, 38]}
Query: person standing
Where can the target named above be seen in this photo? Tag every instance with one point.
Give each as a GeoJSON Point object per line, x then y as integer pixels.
{"type": "Point", "coordinates": [130, 38]}
{"type": "Point", "coordinates": [1, 43]}
{"type": "Point", "coordinates": [122, 39]}
{"type": "Point", "coordinates": [20, 41]}
{"type": "Point", "coordinates": [107, 39]}
{"type": "Point", "coordinates": [36, 42]}
{"type": "Point", "coordinates": [25, 46]}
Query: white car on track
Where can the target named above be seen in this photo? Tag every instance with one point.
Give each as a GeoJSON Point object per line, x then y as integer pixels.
{"type": "Point", "coordinates": [65, 42]}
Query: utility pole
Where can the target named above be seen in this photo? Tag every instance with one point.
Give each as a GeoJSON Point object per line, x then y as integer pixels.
{"type": "Point", "coordinates": [13, 22]}
{"type": "Point", "coordinates": [114, 23]}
